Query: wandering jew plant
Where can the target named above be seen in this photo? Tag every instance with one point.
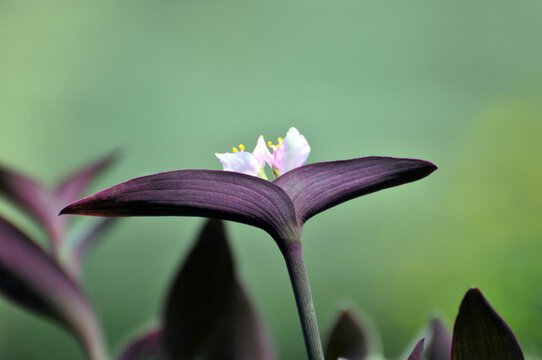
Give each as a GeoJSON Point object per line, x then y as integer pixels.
{"type": "Point", "coordinates": [47, 282]}
{"type": "Point", "coordinates": [242, 194]}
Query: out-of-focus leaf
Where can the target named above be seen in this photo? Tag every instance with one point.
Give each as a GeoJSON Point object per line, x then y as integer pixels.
{"type": "Point", "coordinates": [147, 346]}
{"type": "Point", "coordinates": [481, 334]}
{"type": "Point", "coordinates": [77, 247]}
{"type": "Point", "coordinates": [41, 203]}
{"type": "Point", "coordinates": [440, 345]}
{"type": "Point", "coordinates": [316, 187]}
{"type": "Point", "coordinates": [31, 278]}
{"type": "Point", "coordinates": [33, 198]}
{"type": "Point", "coordinates": [417, 353]}
{"type": "Point", "coordinates": [73, 186]}
{"type": "Point", "coordinates": [200, 295]}
{"type": "Point", "coordinates": [347, 339]}
{"type": "Point", "coordinates": [241, 335]}
{"type": "Point", "coordinates": [208, 193]}
{"type": "Point", "coordinates": [208, 314]}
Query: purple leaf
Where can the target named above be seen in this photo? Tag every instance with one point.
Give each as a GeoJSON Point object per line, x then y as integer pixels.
{"type": "Point", "coordinates": [200, 295]}
{"type": "Point", "coordinates": [417, 353]}
{"type": "Point", "coordinates": [241, 335]}
{"type": "Point", "coordinates": [215, 194]}
{"type": "Point", "coordinates": [316, 187]}
{"type": "Point", "coordinates": [269, 205]}
{"type": "Point", "coordinates": [31, 278]}
{"type": "Point", "coordinates": [347, 339]}
{"type": "Point", "coordinates": [73, 186]}
{"type": "Point", "coordinates": [78, 247]}
{"type": "Point", "coordinates": [43, 204]}
{"type": "Point", "coordinates": [208, 314]}
{"type": "Point", "coordinates": [481, 334]}
{"type": "Point", "coordinates": [147, 346]}
{"type": "Point", "coordinates": [440, 346]}
{"type": "Point", "coordinates": [33, 198]}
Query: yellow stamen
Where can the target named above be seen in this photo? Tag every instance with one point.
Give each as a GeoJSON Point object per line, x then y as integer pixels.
{"type": "Point", "coordinates": [234, 149]}
{"type": "Point", "coordinates": [280, 140]}
{"type": "Point", "coordinates": [269, 143]}
{"type": "Point", "coordinates": [242, 147]}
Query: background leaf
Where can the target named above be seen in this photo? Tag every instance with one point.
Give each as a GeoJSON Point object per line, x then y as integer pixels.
{"type": "Point", "coordinates": [147, 346]}
{"type": "Point", "coordinates": [31, 278]}
{"type": "Point", "coordinates": [347, 339]}
{"type": "Point", "coordinates": [208, 314]}
{"type": "Point", "coordinates": [417, 353]}
{"type": "Point", "coordinates": [34, 199]}
{"type": "Point", "coordinates": [440, 345]}
{"type": "Point", "coordinates": [74, 185]}
{"type": "Point", "coordinates": [481, 334]}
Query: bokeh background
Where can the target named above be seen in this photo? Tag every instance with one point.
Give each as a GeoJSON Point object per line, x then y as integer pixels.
{"type": "Point", "coordinates": [170, 83]}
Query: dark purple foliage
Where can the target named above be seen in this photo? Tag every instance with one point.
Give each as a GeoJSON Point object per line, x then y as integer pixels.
{"type": "Point", "coordinates": [31, 278]}
{"type": "Point", "coordinates": [347, 339]}
{"type": "Point", "coordinates": [440, 346]}
{"type": "Point", "coordinates": [146, 346]}
{"type": "Point", "coordinates": [42, 203]}
{"type": "Point", "coordinates": [417, 353]}
{"type": "Point", "coordinates": [481, 334]}
{"type": "Point", "coordinates": [279, 207]}
{"type": "Point", "coordinates": [208, 315]}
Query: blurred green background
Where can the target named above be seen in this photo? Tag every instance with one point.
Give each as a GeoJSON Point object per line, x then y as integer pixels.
{"type": "Point", "coordinates": [170, 83]}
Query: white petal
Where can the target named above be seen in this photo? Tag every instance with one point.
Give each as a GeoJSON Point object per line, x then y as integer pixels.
{"type": "Point", "coordinates": [292, 152]}
{"type": "Point", "coordinates": [242, 161]}
{"type": "Point", "coordinates": [261, 152]}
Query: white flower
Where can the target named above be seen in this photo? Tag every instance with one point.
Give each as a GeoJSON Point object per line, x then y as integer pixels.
{"type": "Point", "coordinates": [245, 162]}
{"type": "Point", "coordinates": [290, 153]}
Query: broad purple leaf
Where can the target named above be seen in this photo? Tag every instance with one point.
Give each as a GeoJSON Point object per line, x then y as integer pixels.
{"type": "Point", "coordinates": [31, 278]}
{"type": "Point", "coordinates": [316, 187]}
{"type": "Point", "coordinates": [147, 346]}
{"type": "Point", "coordinates": [207, 193]}
{"type": "Point", "coordinates": [73, 186]}
{"type": "Point", "coordinates": [440, 346]}
{"type": "Point", "coordinates": [33, 198]}
{"type": "Point", "coordinates": [347, 339]}
{"type": "Point", "coordinates": [481, 334]}
{"type": "Point", "coordinates": [208, 314]}
{"type": "Point", "coordinates": [417, 353]}
{"type": "Point", "coordinates": [78, 247]}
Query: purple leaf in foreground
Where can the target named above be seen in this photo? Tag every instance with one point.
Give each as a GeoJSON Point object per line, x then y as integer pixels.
{"type": "Point", "coordinates": [269, 205]}
{"type": "Point", "coordinates": [208, 193]}
{"type": "Point", "coordinates": [208, 314]}
{"type": "Point", "coordinates": [440, 346]}
{"type": "Point", "coordinates": [481, 334]}
{"type": "Point", "coordinates": [417, 353]}
{"type": "Point", "coordinates": [347, 339]}
{"type": "Point", "coordinates": [147, 346]}
{"type": "Point", "coordinates": [316, 187]}
{"type": "Point", "coordinates": [31, 278]}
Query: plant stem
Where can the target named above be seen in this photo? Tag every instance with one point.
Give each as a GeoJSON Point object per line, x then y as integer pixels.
{"type": "Point", "coordinates": [303, 298]}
